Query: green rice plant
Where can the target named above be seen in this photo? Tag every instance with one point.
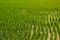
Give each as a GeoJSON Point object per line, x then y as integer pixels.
{"type": "Point", "coordinates": [29, 24]}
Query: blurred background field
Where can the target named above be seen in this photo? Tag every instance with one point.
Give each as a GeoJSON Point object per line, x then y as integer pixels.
{"type": "Point", "coordinates": [30, 3]}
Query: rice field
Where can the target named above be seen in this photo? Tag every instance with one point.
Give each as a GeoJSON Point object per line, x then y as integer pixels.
{"type": "Point", "coordinates": [29, 20]}
{"type": "Point", "coordinates": [29, 24]}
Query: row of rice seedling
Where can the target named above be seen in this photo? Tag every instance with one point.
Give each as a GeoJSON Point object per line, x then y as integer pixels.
{"type": "Point", "coordinates": [29, 24]}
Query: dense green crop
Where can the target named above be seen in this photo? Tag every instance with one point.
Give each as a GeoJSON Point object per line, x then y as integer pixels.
{"type": "Point", "coordinates": [29, 24]}
{"type": "Point", "coordinates": [29, 19]}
